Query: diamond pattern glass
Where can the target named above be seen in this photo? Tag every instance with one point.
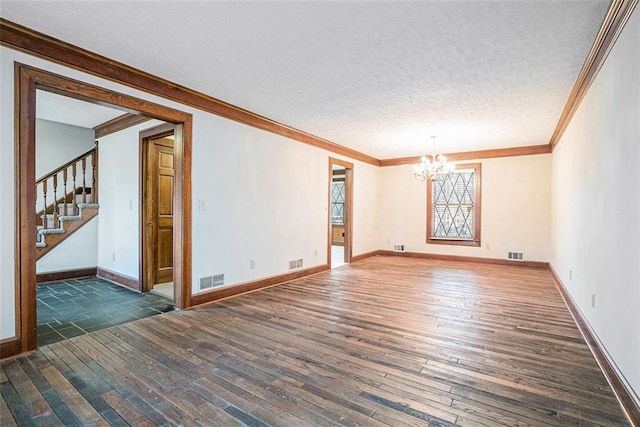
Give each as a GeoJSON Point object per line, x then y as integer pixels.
{"type": "Point", "coordinates": [453, 205]}
{"type": "Point", "coordinates": [337, 202]}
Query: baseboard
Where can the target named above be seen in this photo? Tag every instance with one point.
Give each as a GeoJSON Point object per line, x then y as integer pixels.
{"type": "Point", "coordinates": [626, 396]}
{"type": "Point", "coordinates": [118, 278]}
{"type": "Point", "coordinates": [10, 347]}
{"type": "Point", "coordinates": [213, 295]}
{"type": "Point", "coordinates": [75, 273]}
{"type": "Point", "coordinates": [495, 261]}
{"type": "Point", "coordinates": [360, 257]}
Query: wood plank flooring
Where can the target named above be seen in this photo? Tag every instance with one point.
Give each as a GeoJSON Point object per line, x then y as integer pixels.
{"type": "Point", "coordinates": [386, 341]}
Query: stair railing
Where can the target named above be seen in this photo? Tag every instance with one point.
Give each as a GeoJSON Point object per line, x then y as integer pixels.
{"type": "Point", "coordinates": [48, 213]}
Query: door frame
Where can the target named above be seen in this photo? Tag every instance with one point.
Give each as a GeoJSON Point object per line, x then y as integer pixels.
{"type": "Point", "coordinates": [146, 137]}
{"type": "Point", "coordinates": [27, 80]}
{"type": "Point", "coordinates": [348, 209]}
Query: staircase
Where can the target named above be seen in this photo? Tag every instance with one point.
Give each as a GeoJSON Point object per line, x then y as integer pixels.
{"type": "Point", "coordinates": [72, 190]}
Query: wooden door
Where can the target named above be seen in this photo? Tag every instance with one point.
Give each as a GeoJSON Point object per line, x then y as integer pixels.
{"type": "Point", "coordinates": [161, 180]}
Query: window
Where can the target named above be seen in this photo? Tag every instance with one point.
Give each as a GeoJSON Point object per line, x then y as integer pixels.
{"type": "Point", "coordinates": [337, 202]}
{"type": "Point", "coordinates": [453, 207]}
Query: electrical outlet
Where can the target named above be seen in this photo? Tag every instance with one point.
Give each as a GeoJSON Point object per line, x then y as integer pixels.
{"type": "Point", "coordinates": [487, 246]}
{"type": "Point", "coordinates": [388, 241]}
{"type": "Point", "coordinates": [113, 256]}
{"type": "Point", "coordinates": [593, 300]}
{"type": "Point", "coordinates": [252, 264]}
{"type": "Point", "coordinates": [130, 205]}
{"type": "Point", "coordinates": [202, 204]}
{"type": "Point", "coordinates": [315, 253]}
{"type": "Point", "coordinates": [570, 274]}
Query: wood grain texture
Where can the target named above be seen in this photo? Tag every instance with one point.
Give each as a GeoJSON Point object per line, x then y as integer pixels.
{"type": "Point", "coordinates": [618, 385]}
{"type": "Point", "coordinates": [612, 25]}
{"type": "Point", "coordinates": [70, 227]}
{"type": "Point", "coordinates": [27, 80]}
{"type": "Point", "coordinates": [118, 278]}
{"type": "Point", "coordinates": [122, 122]}
{"type": "Point", "coordinates": [213, 295]}
{"type": "Point", "coordinates": [475, 155]}
{"type": "Point", "coordinates": [57, 276]}
{"type": "Point", "coordinates": [387, 341]}
{"type": "Point", "coordinates": [461, 258]}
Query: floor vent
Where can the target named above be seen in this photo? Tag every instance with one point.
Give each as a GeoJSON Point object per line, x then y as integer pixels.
{"type": "Point", "coordinates": [515, 256]}
{"type": "Point", "coordinates": [211, 281]}
{"type": "Point", "coordinates": [398, 248]}
{"type": "Point", "coordinates": [296, 263]}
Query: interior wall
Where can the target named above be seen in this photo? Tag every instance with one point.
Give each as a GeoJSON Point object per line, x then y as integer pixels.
{"type": "Point", "coordinates": [77, 251]}
{"type": "Point", "coordinates": [56, 144]}
{"type": "Point", "coordinates": [515, 210]}
{"type": "Point", "coordinates": [596, 204]}
{"type": "Point", "coordinates": [263, 196]}
{"type": "Point", "coordinates": [118, 233]}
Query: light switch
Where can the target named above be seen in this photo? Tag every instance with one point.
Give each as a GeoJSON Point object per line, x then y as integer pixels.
{"type": "Point", "coordinates": [202, 205]}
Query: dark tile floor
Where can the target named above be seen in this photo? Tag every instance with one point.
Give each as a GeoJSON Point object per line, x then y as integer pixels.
{"type": "Point", "coordinates": [75, 307]}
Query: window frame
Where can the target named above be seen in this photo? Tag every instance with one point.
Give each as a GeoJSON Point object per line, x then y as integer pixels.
{"type": "Point", "coordinates": [477, 214]}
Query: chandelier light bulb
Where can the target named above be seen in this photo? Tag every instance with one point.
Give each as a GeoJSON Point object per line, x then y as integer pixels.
{"type": "Point", "coordinates": [430, 168]}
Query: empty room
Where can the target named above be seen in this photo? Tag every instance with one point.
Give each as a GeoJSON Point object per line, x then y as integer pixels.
{"type": "Point", "coordinates": [292, 213]}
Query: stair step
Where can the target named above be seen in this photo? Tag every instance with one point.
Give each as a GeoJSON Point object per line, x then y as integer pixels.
{"type": "Point", "coordinates": [71, 210]}
{"type": "Point", "coordinates": [42, 232]}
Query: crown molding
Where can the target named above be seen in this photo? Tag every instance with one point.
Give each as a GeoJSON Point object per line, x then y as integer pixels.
{"type": "Point", "coordinates": [34, 43]}
{"type": "Point", "coordinates": [21, 38]}
{"type": "Point", "coordinates": [475, 155]}
{"type": "Point", "coordinates": [612, 25]}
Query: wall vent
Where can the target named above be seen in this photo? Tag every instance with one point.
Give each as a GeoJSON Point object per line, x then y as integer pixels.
{"type": "Point", "coordinates": [209, 282]}
{"type": "Point", "coordinates": [515, 256]}
{"type": "Point", "coordinates": [398, 248]}
{"type": "Point", "coordinates": [296, 263]}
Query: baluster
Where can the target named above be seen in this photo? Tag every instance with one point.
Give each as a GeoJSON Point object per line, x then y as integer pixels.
{"type": "Point", "coordinates": [84, 180]}
{"type": "Point", "coordinates": [74, 202]}
{"type": "Point", "coordinates": [66, 195]}
{"type": "Point", "coordinates": [56, 223]}
{"type": "Point", "coordinates": [45, 224]}
{"type": "Point", "coordinates": [94, 176]}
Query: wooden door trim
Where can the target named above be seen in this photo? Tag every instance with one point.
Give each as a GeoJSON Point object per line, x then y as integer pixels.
{"type": "Point", "coordinates": [348, 209]}
{"type": "Point", "coordinates": [27, 80]}
{"type": "Point", "coordinates": [146, 137]}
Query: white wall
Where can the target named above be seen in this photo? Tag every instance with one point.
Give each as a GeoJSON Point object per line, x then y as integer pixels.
{"type": "Point", "coordinates": [118, 234]}
{"type": "Point", "coordinates": [77, 251]}
{"type": "Point", "coordinates": [515, 210]}
{"type": "Point", "coordinates": [266, 197]}
{"type": "Point", "coordinates": [56, 144]}
{"type": "Point", "coordinates": [596, 204]}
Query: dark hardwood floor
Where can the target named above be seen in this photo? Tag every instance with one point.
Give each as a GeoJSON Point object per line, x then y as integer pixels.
{"type": "Point", "coordinates": [386, 341]}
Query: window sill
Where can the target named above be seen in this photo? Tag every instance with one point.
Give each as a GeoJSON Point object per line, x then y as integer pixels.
{"type": "Point", "coordinates": [455, 242]}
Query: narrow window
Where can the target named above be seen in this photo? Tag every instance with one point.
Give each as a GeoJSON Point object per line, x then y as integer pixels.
{"type": "Point", "coordinates": [337, 201]}
{"type": "Point", "coordinates": [453, 207]}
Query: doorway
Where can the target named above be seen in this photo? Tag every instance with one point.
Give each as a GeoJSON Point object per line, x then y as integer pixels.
{"type": "Point", "coordinates": [157, 179]}
{"type": "Point", "coordinates": [340, 212]}
{"type": "Point", "coordinates": [28, 80]}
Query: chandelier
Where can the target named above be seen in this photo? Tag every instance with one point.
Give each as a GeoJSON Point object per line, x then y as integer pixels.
{"type": "Point", "coordinates": [432, 166]}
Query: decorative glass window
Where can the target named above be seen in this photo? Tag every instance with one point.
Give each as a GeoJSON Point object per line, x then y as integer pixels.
{"type": "Point", "coordinates": [337, 202]}
{"type": "Point", "coordinates": [453, 207]}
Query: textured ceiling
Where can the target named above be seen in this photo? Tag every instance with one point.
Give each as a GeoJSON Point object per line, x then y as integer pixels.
{"type": "Point", "coordinates": [57, 108]}
{"type": "Point", "coordinates": [378, 77]}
